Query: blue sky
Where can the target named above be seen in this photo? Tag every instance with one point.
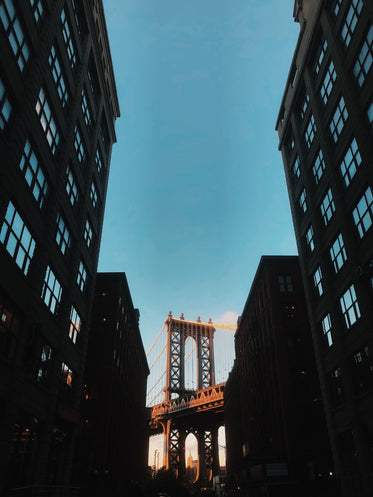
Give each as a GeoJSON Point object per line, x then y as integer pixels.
{"type": "Point", "coordinates": [196, 191]}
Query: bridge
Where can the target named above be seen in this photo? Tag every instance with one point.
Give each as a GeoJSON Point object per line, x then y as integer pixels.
{"type": "Point", "coordinates": [188, 400]}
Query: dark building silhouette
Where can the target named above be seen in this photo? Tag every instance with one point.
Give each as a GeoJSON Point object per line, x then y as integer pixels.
{"type": "Point", "coordinates": [276, 436]}
{"type": "Point", "coordinates": [113, 445]}
{"type": "Point", "coordinates": [58, 106]}
{"type": "Point", "coordinates": [325, 131]}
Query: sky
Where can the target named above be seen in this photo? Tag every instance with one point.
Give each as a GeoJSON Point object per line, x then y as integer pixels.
{"type": "Point", "coordinates": [197, 192]}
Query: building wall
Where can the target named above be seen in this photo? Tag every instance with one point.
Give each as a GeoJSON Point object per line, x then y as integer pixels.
{"type": "Point", "coordinates": [113, 442]}
{"type": "Point", "coordinates": [58, 106]}
{"type": "Point", "coordinates": [325, 131]}
{"type": "Point", "coordinates": [275, 428]}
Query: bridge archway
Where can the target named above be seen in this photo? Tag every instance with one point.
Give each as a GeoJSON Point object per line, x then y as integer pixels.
{"type": "Point", "coordinates": [190, 364]}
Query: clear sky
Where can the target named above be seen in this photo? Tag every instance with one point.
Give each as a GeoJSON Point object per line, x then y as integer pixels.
{"type": "Point", "coordinates": [197, 190]}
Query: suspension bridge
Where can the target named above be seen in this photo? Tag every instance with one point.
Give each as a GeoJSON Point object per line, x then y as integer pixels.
{"type": "Point", "coordinates": [189, 364]}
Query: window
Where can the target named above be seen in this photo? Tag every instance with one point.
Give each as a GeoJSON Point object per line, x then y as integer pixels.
{"type": "Point", "coordinates": [52, 291]}
{"type": "Point", "coordinates": [350, 162]}
{"type": "Point", "coordinates": [44, 363]}
{"type": "Point", "coordinates": [327, 207]}
{"type": "Point", "coordinates": [47, 121]}
{"type": "Point", "coordinates": [351, 19]}
{"type": "Point", "coordinates": [88, 233]}
{"type": "Point", "coordinates": [310, 238]}
{"type": "Point", "coordinates": [93, 80]}
{"type": "Point", "coordinates": [328, 82]}
{"type": "Point", "coordinates": [68, 39]}
{"type": "Point", "coordinates": [14, 32]}
{"type": "Point", "coordinates": [336, 386]}
{"type": "Point", "coordinates": [75, 324]}
{"type": "Point", "coordinates": [17, 239]}
{"type": "Point", "coordinates": [290, 311]}
{"type": "Point", "coordinates": [85, 109]}
{"type": "Point", "coordinates": [327, 329]}
{"type": "Point", "coordinates": [82, 276]}
{"type": "Point", "coordinates": [317, 277]}
{"type": "Point", "coordinates": [71, 187]}
{"type": "Point", "coordinates": [285, 283]}
{"type": "Point", "coordinates": [79, 147]}
{"type": "Point", "coordinates": [370, 114]}
{"type": "Point", "coordinates": [79, 16]}
{"type": "Point", "coordinates": [290, 144]}
{"type": "Point", "coordinates": [318, 167]}
{"type": "Point", "coordinates": [339, 119]}
{"type": "Point", "coordinates": [362, 369]}
{"type": "Point", "coordinates": [338, 253]}
{"type": "Point", "coordinates": [304, 107]}
{"type": "Point", "coordinates": [363, 212]}
{"type": "Point", "coordinates": [34, 175]}
{"type": "Point", "coordinates": [10, 324]}
{"type": "Point", "coordinates": [335, 7]}
{"type": "Point", "coordinates": [364, 59]}
{"type": "Point", "coordinates": [58, 76]}
{"type": "Point", "coordinates": [350, 306]}
{"type": "Point", "coordinates": [105, 134]}
{"type": "Point", "coordinates": [63, 237]}
{"type": "Point", "coordinates": [37, 9]}
{"type": "Point", "coordinates": [93, 195]}
{"type": "Point", "coordinates": [5, 107]}
{"type": "Point", "coordinates": [66, 384]}
{"type": "Point", "coordinates": [296, 167]}
{"type": "Point", "coordinates": [310, 131]}
{"type": "Point", "coordinates": [320, 54]}
{"type": "Point", "coordinates": [302, 200]}
{"type": "Point", "coordinates": [98, 160]}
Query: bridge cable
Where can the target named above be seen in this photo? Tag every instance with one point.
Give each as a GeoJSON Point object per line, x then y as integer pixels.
{"type": "Point", "coordinates": [156, 340]}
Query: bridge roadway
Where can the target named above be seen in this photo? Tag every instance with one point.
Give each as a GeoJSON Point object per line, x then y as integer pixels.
{"type": "Point", "coordinates": [208, 403]}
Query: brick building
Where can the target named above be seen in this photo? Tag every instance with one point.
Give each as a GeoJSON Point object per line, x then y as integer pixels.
{"type": "Point", "coordinates": [276, 435]}
{"type": "Point", "coordinates": [113, 445]}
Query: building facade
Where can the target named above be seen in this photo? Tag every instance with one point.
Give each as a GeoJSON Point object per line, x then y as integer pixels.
{"type": "Point", "coordinates": [113, 445]}
{"type": "Point", "coordinates": [325, 129]}
{"type": "Point", "coordinates": [276, 435]}
{"type": "Point", "coordinates": [58, 106]}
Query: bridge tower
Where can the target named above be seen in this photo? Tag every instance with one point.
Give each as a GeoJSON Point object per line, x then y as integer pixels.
{"type": "Point", "coordinates": [178, 330]}
{"type": "Point", "coordinates": [176, 429]}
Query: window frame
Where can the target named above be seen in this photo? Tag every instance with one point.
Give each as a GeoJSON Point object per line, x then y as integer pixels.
{"type": "Point", "coordinates": [337, 252]}
{"type": "Point", "coordinates": [47, 121]}
{"type": "Point", "coordinates": [350, 306]}
{"type": "Point", "coordinates": [361, 216]}
{"type": "Point", "coordinates": [17, 239]}
{"type": "Point", "coordinates": [15, 33]}
{"type": "Point", "coordinates": [327, 207]}
{"type": "Point", "coordinates": [51, 292]}
{"type": "Point", "coordinates": [34, 175]}
{"type": "Point", "coordinates": [338, 120]}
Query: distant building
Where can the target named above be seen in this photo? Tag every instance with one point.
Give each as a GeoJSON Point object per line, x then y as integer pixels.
{"type": "Point", "coordinates": [58, 106]}
{"type": "Point", "coordinates": [191, 468]}
{"type": "Point", "coordinates": [276, 436]}
{"type": "Point", "coordinates": [113, 444]}
{"type": "Point", "coordinates": [325, 129]}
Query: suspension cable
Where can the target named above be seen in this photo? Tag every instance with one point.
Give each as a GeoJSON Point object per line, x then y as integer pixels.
{"type": "Point", "coordinates": [155, 341]}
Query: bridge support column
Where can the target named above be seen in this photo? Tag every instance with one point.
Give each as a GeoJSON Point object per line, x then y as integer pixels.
{"type": "Point", "coordinates": [208, 454]}
{"type": "Point", "coordinates": [215, 451]}
{"type": "Point", "coordinates": [174, 449]}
